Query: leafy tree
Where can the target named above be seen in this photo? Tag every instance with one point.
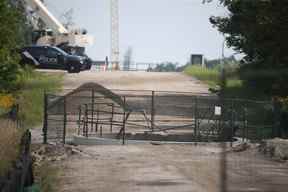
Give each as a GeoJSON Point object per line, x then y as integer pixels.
{"type": "Point", "coordinates": [12, 36]}
{"type": "Point", "coordinates": [258, 29]}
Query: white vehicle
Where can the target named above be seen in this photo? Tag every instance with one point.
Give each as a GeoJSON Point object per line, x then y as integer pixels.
{"type": "Point", "coordinates": [55, 34]}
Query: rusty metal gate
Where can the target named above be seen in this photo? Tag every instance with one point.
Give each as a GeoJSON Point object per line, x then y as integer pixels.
{"type": "Point", "coordinates": [97, 111]}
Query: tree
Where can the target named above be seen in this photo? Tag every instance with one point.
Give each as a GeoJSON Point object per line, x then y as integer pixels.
{"type": "Point", "coordinates": [12, 36]}
{"type": "Point", "coordinates": [166, 67]}
{"type": "Point", "coordinates": [258, 29]}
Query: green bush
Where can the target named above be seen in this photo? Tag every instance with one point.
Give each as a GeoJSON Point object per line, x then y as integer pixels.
{"type": "Point", "coordinates": [11, 37]}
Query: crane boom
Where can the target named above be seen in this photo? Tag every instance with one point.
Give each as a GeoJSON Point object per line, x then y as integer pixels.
{"type": "Point", "coordinates": [61, 35]}
{"type": "Point", "coordinates": [47, 16]}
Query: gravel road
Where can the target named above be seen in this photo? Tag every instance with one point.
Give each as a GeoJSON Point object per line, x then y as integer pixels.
{"type": "Point", "coordinates": [156, 81]}
{"type": "Point", "coordinates": [157, 168]}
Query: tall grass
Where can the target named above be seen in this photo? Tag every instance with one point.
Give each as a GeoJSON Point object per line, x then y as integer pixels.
{"type": "Point", "coordinates": [30, 96]}
{"type": "Point", "coordinates": [10, 138]}
{"type": "Point", "coordinates": [207, 75]}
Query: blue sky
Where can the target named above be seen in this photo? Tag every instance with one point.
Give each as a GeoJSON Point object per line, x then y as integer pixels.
{"type": "Point", "coordinates": [157, 30]}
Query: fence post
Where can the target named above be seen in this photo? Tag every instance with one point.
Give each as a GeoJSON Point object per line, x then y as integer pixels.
{"type": "Point", "coordinates": [97, 120]}
{"type": "Point", "coordinates": [112, 118]}
{"type": "Point", "coordinates": [64, 120]}
{"type": "Point", "coordinates": [124, 122]}
{"type": "Point", "coordinates": [152, 110]}
{"type": "Point", "coordinates": [45, 122]}
{"type": "Point", "coordinates": [196, 117]}
{"type": "Point", "coordinates": [79, 119]}
{"type": "Point", "coordinates": [92, 108]}
{"type": "Point", "coordinates": [232, 124]}
{"type": "Point", "coordinates": [85, 127]}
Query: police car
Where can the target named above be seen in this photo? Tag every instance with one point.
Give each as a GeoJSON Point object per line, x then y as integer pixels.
{"type": "Point", "coordinates": [49, 57]}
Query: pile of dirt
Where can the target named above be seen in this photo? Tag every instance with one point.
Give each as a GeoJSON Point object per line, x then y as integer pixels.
{"type": "Point", "coordinates": [275, 148]}
{"type": "Point", "coordinates": [52, 152]}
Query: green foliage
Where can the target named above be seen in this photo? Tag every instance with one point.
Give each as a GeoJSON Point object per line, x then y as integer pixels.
{"type": "Point", "coordinates": [165, 67]}
{"type": "Point", "coordinates": [208, 76]}
{"type": "Point", "coordinates": [34, 84]}
{"type": "Point", "coordinates": [258, 30]}
{"type": "Point", "coordinates": [12, 36]}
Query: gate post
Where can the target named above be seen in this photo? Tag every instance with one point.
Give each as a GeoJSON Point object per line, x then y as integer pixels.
{"type": "Point", "coordinates": [196, 118]}
{"type": "Point", "coordinates": [92, 108]}
{"type": "Point", "coordinates": [124, 122]}
{"type": "Point", "coordinates": [152, 110]}
{"type": "Point", "coordinates": [112, 118]}
{"type": "Point", "coordinates": [45, 122]}
{"type": "Point", "coordinates": [64, 120]}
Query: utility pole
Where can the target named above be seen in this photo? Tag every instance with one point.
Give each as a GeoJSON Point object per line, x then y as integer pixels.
{"type": "Point", "coordinates": [115, 34]}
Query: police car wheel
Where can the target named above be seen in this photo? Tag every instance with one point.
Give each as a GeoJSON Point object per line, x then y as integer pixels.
{"type": "Point", "coordinates": [73, 69]}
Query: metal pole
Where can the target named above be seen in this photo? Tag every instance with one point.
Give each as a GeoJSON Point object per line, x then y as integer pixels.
{"type": "Point", "coordinates": [79, 119]}
{"type": "Point", "coordinates": [112, 116]}
{"type": "Point", "coordinates": [232, 122]}
{"type": "Point", "coordinates": [152, 110]}
{"type": "Point", "coordinates": [196, 117]}
{"type": "Point", "coordinates": [64, 120]}
{"type": "Point", "coordinates": [124, 122]}
{"type": "Point", "coordinates": [97, 114]}
{"type": "Point", "coordinates": [45, 123]}
{"type": "Point", "coordinates": [92, 108]}
{"type": "Point", "coordinates": [85, 128]}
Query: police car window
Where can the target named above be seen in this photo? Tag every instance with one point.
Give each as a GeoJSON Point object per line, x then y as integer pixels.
{"type": "Point", "coordinates": [52, 52]}
{"type": "Point", "coordinates": [61, 51]}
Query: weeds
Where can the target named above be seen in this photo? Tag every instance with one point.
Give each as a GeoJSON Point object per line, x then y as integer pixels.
{"type": "Point", "coordinates": [30, 97]}
{"type": "Point", "coordinates": [10, 138]}
{"type": "Point", "coordinates": [47, 177]}
{"type": "Point", "coordinates": [208, 76]}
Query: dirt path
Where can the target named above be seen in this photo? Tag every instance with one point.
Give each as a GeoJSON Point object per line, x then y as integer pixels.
{"type": "Point", "coordinates": [137, 81]}
{"type": "Point", "coordinates": [169, 168]}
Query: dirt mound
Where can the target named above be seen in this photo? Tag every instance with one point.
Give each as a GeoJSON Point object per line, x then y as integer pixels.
{"type": "Point", "coordinates": [276, 148]}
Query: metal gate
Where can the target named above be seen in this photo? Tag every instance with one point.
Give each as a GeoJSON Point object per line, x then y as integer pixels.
{"type": "Point", "coordinates": [96, 111]}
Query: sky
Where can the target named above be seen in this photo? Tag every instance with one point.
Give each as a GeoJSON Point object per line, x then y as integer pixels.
{"type": "Point", "coordinates": [156, 30]}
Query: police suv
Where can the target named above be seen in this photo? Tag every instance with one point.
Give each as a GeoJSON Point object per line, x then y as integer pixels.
{"type": "Point", "coordinates": [49, 57]}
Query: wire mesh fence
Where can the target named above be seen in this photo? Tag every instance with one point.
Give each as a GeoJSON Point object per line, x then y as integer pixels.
{"type": "Point", "coordinates": [197, 118]}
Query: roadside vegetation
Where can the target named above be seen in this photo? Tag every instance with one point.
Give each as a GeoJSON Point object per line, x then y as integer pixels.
{"type": "Point", "coordinates": [9, 145]}
{"type": "Point", "coordinates": [18, 85]}
{"type": "Point", "coordinates": [34, 85]}
{"type": "Point", "coordinates": [29, 96]}
{"type": "Point", "coordinates": [209, 76]}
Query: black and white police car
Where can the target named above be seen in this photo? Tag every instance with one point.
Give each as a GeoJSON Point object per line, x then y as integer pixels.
{"type": "Point", "coordinates": [49, 57]}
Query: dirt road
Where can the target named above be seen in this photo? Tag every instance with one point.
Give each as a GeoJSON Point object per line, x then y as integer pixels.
{"type": "Point", "coordinates": [137, 81]}
{"type": "Point", "coordinates": [157, 168]}
{"type": "Point", "coordinates": [169, 168]}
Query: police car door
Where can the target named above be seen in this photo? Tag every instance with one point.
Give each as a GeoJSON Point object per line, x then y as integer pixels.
{"type": "Point", "coordinates": [50, 59]}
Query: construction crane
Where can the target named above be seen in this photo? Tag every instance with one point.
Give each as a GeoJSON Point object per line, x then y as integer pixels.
{"type": "Point", "coordinates": [56, 34]}
{"type": "Point", "coordinates": [115, 34]}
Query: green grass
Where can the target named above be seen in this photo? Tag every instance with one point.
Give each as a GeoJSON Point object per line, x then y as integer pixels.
{"type": "Point", "coordinates": [209, 76]}
{"type": "Point", "coordinates": [235, 87]}
{"type": "Point", "coordinates": [31, 95]}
